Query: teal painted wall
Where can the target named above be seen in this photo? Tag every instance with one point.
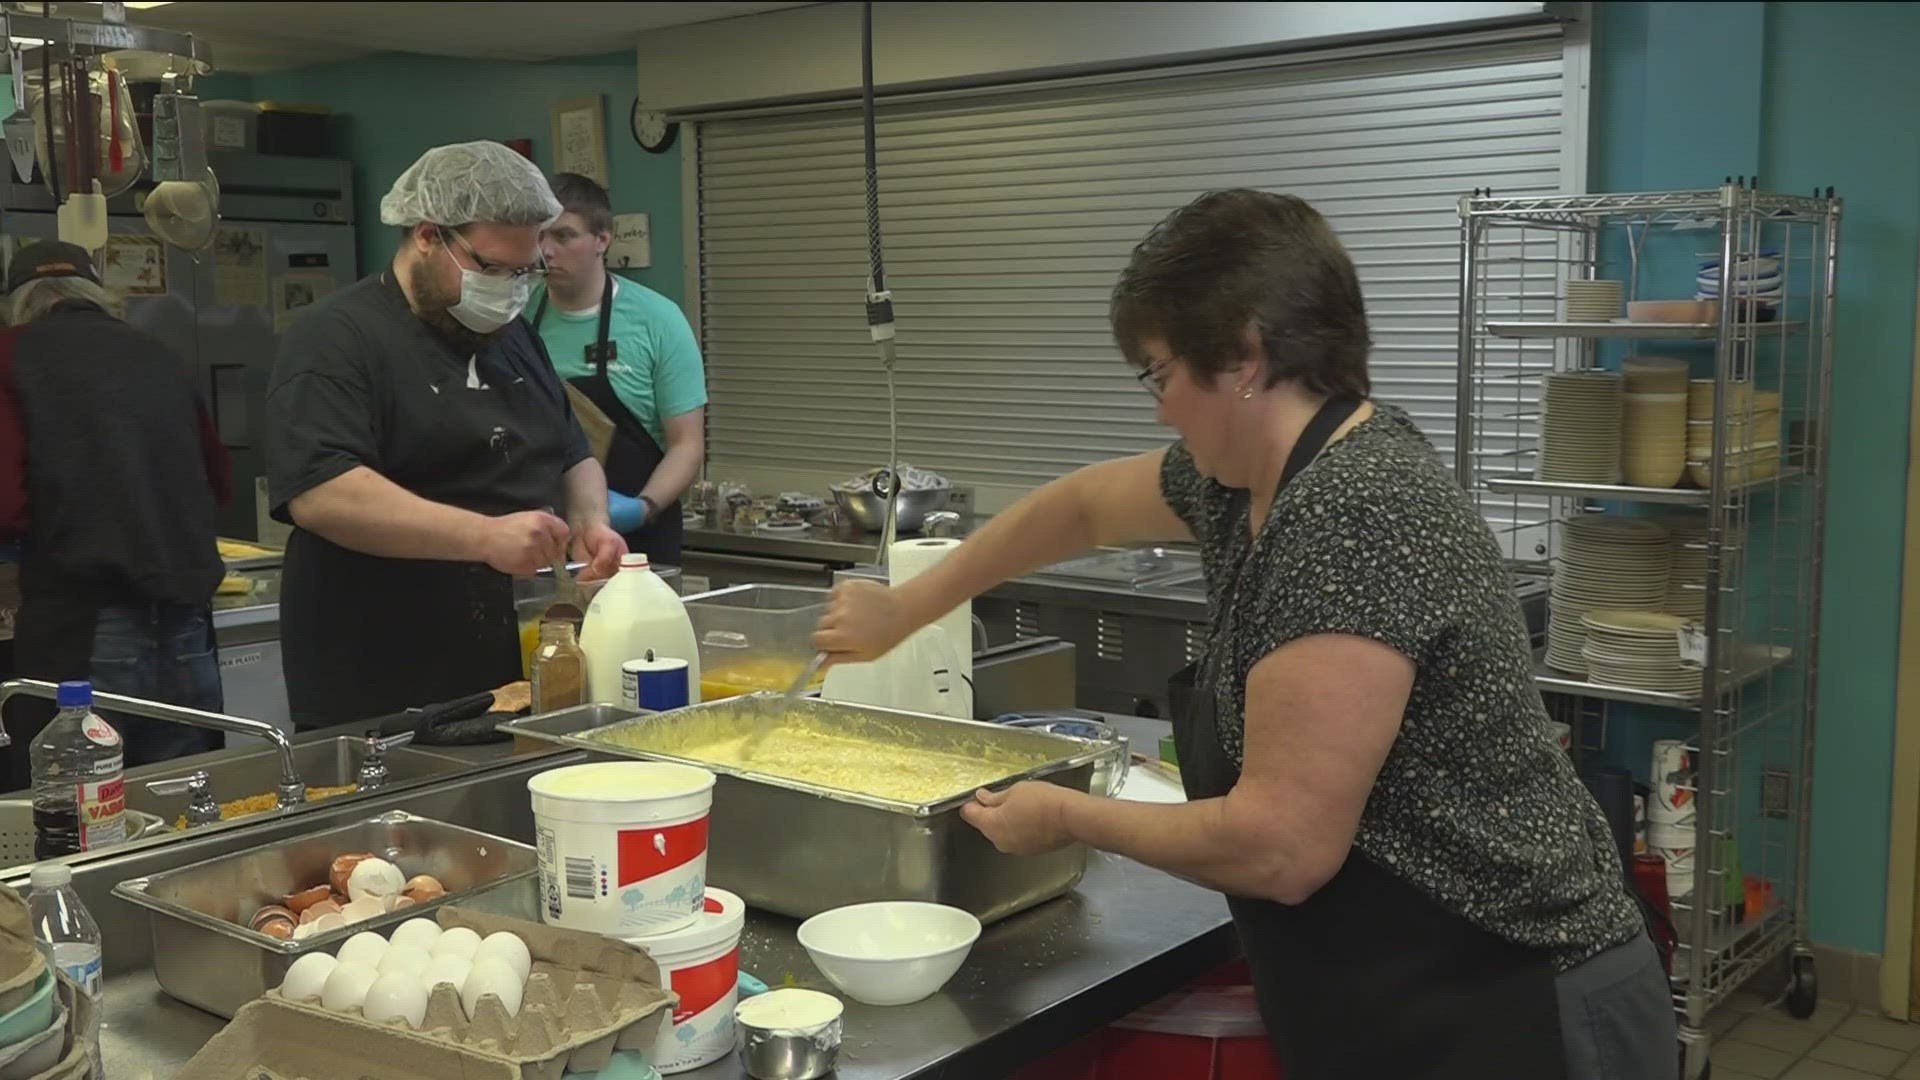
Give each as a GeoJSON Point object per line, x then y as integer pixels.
{"type": "Point", "coordinates": [1806, 94]}
{"type": "Point", "coordinates": [392, 107]}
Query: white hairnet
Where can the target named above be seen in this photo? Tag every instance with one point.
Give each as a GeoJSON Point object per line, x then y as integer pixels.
{"type": "Point", "coordinates": [467, 182]}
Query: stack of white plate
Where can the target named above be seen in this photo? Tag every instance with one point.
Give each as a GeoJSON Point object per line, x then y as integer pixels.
{"type": "Point", "coordinates": [1638, 649]}
{"type": "Point", "coordinates": [1606, 562]}
{"type": "Point", "coordinates": [1594, 301]}
{"type": "Point", "coordinates": [1687, 581]}
{"type": "Point", "coordinates": [1580, 428]}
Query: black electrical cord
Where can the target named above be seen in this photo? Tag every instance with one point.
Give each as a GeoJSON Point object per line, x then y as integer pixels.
{"type": "Point", "coordinates": [879, 300]}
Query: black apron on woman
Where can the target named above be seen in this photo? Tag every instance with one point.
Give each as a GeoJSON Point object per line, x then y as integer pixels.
{"type": "Point", "coordinates": [367, 636]}
{"type": "Point", "coordinates": [1369, 978]}
{"type": "Point", "coordinates": [634, 454]}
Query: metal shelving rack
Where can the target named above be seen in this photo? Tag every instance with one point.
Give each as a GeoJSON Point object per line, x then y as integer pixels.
{"type": "Point", "coordinates": [1751, 726]}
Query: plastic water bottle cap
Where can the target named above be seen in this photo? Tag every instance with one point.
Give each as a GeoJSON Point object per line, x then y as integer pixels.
{"type": "Point", "coordinates": [51, 875]}
{"type": "Point", "coordinates": [633, 559]}
{"type": "Point", "coordinates": [74, 695]}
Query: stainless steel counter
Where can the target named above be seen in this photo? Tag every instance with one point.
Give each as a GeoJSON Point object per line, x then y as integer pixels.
{"type": "Point", "coordinates": [1033, 983]}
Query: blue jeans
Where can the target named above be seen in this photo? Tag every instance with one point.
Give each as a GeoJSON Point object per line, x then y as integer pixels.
{"type": "Point", "coordinates": [160, 652]}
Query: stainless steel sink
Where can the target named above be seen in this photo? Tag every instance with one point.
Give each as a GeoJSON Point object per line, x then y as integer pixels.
{"type": "Point", "coordinates": [322, 763]}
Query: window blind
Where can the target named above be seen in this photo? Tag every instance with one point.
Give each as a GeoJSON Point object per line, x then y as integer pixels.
{"type": "Point", "coordinates": [1007, 217]}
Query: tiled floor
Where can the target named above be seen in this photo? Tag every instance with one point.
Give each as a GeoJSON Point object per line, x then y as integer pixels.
{"type": "Point", "coordinates": [1754, 1042]}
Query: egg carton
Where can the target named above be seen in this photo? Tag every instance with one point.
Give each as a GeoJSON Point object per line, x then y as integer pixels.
{"type": "Point", "coordinates": [588, 996]}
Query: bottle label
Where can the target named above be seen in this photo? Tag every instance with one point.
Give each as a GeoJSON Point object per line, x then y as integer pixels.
{"type": "Point", "coordinates": [99, 732]}
{"type": "Point", "coordinates": [81, 963]}
{"type": "Point", "coordinates": [103, 805]}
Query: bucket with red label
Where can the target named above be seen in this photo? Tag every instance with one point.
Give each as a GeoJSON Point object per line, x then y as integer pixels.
{"type": "Point", "coordinates": [623, 845]}
{"type": "Point", "coordinates": [700, 963]}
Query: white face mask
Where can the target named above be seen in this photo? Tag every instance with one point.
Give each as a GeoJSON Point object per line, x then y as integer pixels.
{"type": "Point", "coordinates": [487, 303]}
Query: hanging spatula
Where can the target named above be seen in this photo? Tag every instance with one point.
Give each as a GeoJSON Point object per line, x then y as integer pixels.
{"type": "Point", "coordinates": [18, 126]}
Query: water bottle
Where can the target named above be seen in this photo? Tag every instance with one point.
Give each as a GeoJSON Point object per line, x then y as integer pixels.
{"type": "Point", "coordinates": [68, 937]}
{"type": "Point", "coordinates": [79, 796]}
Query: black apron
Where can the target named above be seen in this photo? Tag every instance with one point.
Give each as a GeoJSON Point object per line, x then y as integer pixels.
{"type": "Point", "coordinates": [1370, 978]}
{"type": "Point", "coordinates": [366, 636]}
{"type": "Point", "coordinates": [634, 453]}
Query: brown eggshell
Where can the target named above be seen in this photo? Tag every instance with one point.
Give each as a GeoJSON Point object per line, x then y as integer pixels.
{"type": "Point", "coordinates": [277, 928]}
{"type": "Point", "coordinates": [423, 887]}
{"type": "Point", "coordinates": [342, 869]}
{"type": "Point", "coordinates": [314, 913]}
{"type": "Point", "coordinates": [299, 902]}
{"type": "Point", "coordinates": [268, 913]}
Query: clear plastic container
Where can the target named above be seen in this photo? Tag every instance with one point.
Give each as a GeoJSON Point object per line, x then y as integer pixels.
{"type": "Point", "coordinates": [754, 637]}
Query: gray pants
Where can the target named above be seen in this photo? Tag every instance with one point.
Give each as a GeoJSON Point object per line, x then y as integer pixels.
{"type": "Point", "coordinates": [1616, 1016]}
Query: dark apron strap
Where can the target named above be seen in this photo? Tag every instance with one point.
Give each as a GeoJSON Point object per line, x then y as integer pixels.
{"type": "Point", "coordinates": [1462, 1004]}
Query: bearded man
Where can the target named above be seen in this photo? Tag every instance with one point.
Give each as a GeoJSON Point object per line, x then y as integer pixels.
{"type": "Point", "coordinates": [424, 451]}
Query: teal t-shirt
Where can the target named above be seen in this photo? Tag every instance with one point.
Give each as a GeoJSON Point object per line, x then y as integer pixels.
{"type": "Point", "coordinates": [657, 374]}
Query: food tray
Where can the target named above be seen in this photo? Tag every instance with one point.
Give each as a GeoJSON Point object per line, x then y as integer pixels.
{"type": "Point", "coordinates": [798, 849]}
{"type": "Point", "coordinates": [588, 996]}
{"type": "Point", "coordinates": [203, 952]}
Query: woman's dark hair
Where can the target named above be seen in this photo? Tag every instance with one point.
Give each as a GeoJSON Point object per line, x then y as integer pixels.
{"type": "Point", "coordinates": [580, 195]}
{"type": "Point", "coordinates": [1230, 260]}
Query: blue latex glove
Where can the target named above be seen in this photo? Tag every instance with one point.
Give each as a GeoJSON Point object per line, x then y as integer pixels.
{"type": "Point", "coordinates": [625, 512]}
{"type": "Point", "coordinates": [750, 986]}
{"type": "Point", "coordinates": [625, 1065]}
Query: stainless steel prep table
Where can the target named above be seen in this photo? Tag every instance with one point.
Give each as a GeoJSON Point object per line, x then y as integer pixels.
{"type": "Point", "coordinates": [1034, 982]}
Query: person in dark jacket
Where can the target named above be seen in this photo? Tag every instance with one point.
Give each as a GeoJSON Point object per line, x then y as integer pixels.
{"type": "Point", "coordinates": [110, 474]}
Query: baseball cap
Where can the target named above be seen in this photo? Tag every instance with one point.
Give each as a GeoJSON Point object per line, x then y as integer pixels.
{"type": "Point", "coordinates": [50, 259]}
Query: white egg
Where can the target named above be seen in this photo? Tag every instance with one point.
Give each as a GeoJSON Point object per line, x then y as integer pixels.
{"type": "Point", "coordinates": [421, 933]}
{"type": "Point", "coordinates": [396, 994]}
{"type": "Point", "coordinates": [307, 976]}
{"type": "Point", "coordinates": [406, 960]}
{"type": "Point", "coordinates": [374, 878]}
{"type": "Point", "coordinates": [495, 978]}
{"type": "Point", "coordinates": [509, 948]}
{"type": "Point", "coordinates": [447, 969]}
{"type": "Point", "coordinates": [459, 941]}
{"type": "Point", "coordinates": [365, 947]}
{"type": "Point", "coordinates": [346, 987]}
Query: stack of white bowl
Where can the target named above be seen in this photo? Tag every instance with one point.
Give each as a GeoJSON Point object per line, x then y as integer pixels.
{"type": "Point", "coordinates": [1580, 428]}
{"type": "Point", "coordinates": [1671, 813]}
{"type": "Point", "coordinates": [1594, 301]}
{"type": "Point", "coordinates": [1687, 581]}
{"type": "Point", "coordinates": [1752, 432]}
{"type": "Point", "coordinates": [1654, 421]}
{"type": "Point", "coordinates": [1637, 649]}
{"type": "Point", "coordinates": [1606, 562]}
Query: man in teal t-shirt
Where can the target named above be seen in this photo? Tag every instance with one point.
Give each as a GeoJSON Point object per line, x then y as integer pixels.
{"type": "Point", "coordinates": [630, 351]}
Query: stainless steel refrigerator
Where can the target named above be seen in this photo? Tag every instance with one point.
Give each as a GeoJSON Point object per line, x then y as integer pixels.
{"type": "Point", "coordinates": [285, 240]}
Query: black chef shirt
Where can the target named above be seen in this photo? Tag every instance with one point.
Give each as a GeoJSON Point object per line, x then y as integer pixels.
{"type": "Point", "coordinates": [362, 381]}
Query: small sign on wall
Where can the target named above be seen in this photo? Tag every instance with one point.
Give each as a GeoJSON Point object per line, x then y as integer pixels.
{"type": "Point", "coordinates": [632, 244]}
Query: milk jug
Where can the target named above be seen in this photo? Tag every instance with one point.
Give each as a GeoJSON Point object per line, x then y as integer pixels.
{"type": "Point", "coordinates": [633, 613]}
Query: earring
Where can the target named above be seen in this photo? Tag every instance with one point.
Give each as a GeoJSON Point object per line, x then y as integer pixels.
{"type": "Point", "coordinates": [1246, 392]}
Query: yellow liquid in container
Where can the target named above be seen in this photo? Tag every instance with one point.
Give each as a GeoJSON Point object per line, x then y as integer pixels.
{"type": "Point", "coordinates": [796, 749]}
{"type": "Point", "coordinates": [731, 679]}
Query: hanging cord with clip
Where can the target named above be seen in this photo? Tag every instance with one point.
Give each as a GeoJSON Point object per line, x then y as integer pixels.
{"type": "Point", "coordinates": [46, 102]}
{"type": "Point", "coordinates": [879, 300]}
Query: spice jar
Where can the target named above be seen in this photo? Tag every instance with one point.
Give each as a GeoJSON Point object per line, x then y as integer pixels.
{"type": "Point", "coordinates": [559, 669]}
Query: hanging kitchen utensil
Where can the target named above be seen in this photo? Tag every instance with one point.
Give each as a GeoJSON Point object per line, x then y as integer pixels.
{"type": "Point", "coordinates": [18, 125]}
{"type": "Point", "coordinates": [88, 205]}
{"type": "Point", "coordinates": [185, 213]}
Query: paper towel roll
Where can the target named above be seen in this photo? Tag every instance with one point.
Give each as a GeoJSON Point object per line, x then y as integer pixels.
{"type": "Point", "coordinates": [908, 559]}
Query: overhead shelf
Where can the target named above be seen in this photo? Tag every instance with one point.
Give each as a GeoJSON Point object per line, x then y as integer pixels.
{"type": "Point", "coordinates": [1756, 662]}
{"type": "Point", "coordinates": [1644, 331]}
{"type": "Point", "coordinates": [1525, 484]}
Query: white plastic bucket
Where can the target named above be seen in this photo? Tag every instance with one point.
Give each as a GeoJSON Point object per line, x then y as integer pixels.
{"type": "Point", "coordinates": [623, 845]}
{"type": "Point", "coordinates": [701, 963]}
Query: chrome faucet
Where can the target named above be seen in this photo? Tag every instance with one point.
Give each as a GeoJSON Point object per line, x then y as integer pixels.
{"type": "Point", "coordinates": [292, 791]}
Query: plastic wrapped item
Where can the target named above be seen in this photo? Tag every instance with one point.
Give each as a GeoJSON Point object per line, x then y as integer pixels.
{"type": "Point", "coordinates": [119, 156]}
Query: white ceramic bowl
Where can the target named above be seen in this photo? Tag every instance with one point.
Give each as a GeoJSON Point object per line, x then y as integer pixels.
{"type": "Point", "coordinates": [894, 952]}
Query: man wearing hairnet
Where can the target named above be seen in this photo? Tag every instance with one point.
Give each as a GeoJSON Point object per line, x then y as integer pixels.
{"type": "Point", "coordinates": [424, 450]}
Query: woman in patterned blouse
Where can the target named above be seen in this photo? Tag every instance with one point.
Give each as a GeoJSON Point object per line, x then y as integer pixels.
{"type": "Point", "coordinates": [1422, 885]}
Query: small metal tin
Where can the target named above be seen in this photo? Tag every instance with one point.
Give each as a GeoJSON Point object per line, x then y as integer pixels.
{"type": "Point", "coordinates": [783, 1051]}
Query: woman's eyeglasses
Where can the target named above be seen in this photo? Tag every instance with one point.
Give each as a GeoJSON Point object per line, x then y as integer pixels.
{"type": "Point", "coordinates": [1154, 378]}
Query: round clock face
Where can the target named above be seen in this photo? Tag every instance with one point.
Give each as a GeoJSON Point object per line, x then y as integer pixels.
{"type": "Point", "coordinates": [652, 130]}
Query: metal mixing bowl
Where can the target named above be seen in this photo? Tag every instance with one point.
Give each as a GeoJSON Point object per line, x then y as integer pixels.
{"type": "Point", "coordinates": [869, 511]}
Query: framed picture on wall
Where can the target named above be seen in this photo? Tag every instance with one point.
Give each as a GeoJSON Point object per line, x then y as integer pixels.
{"type": "Point", "coordinates": [580, 137]}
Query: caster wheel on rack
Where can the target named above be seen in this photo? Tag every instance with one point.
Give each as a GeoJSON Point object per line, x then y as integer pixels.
{"type": "Point", "coordinates": [1803, 988]}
